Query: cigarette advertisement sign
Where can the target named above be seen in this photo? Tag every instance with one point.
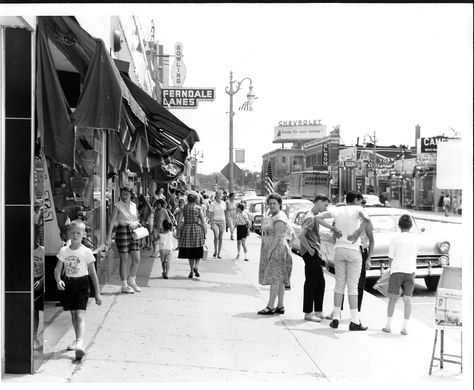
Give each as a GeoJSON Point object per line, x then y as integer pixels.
{"type": "Point", "coordinates": [448, 309]}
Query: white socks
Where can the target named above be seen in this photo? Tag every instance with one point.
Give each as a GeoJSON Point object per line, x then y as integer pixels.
{"type": "Point", "coordinates": [355, 316]}
{"type": "Point", "coordinates": [336, 313]}
{"type": "Point", "coordinates": [405, 324]}
{"type": "Point", "coordinates": [124, 283]}
{"type": "Point", "coordinates": [389, 322]}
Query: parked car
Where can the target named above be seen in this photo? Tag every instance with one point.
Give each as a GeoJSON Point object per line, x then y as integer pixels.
{"type": "Point", "coordinates": [372, 201]}
{"type": "Point", "coordinates": [433, 251]}
{"type": "Point", "coordinates": [289, 206]}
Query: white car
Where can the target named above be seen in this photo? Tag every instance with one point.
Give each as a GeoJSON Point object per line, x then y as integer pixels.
{"type": "Point", "coordinates": [433, 251]}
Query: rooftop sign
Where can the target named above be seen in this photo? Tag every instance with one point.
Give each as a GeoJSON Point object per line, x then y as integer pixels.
{"type": "Point", "coordinates": [298, 132]}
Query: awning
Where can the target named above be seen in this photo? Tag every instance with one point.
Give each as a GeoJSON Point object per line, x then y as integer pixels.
{"type": "Point", "coordinates": [148, 134]}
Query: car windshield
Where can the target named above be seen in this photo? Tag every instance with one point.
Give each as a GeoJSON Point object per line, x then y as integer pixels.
{"type": "Point", "coordinates": [291, 208]}
{"type": "Point", "coordinates": [388, 223]}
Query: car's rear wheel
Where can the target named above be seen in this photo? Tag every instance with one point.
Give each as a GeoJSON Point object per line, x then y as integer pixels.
{"type": "Point", "coordinates": [432, 282]}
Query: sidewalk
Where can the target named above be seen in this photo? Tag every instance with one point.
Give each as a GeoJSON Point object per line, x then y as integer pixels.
{"type": "Point", "coordinates": [206, 330]}
{"type": "Point", "coordinates": [437, 216]}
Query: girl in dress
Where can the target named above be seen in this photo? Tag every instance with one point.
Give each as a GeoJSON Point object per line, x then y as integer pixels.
{"type": "Point", "coordinates": [166, 246]}
{"type": "Point", "coordinates": [242, 222]}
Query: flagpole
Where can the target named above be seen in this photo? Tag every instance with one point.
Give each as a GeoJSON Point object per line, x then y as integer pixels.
{"type": "Point", "coordinates": [231, 136]}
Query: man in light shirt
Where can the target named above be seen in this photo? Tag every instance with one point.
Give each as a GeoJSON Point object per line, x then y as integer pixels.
{"type": "Point", "coordinates": [402, 253]}
{"type": "Point", "coordinates": [347, 258]}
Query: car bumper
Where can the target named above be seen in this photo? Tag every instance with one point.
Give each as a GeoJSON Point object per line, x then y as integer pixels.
{"type": "Point", "coordinates": [420, 272]}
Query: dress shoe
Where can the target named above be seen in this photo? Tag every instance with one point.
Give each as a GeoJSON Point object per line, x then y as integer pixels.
{"type": "Point", "coordinates": [311, 317]}
{"type": "Point", "coordinates": [359, 326]}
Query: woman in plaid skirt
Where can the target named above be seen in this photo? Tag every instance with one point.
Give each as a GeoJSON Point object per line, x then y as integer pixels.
{"type": "Point", "coordinates": [125, 216]}
{"type": "Point", "coordinates": [192, 235]}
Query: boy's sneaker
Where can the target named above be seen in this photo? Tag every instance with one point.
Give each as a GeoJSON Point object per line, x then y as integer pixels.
{"type": "Point", "coordinates": [134, 286]}
{"type": "Point", "coordinates": [320, 315]}
{"type": "Point", "coordinates": [80, 352]}
{"type": "Point", "coordinates": [311, 317]}
{"type": "Point", "coordinates": [128, 290]}
{"type": "Point", "coordinates": [404, 332]}
{"type": "Point", "coordinates": [387, 329]}
{"type": "Point", "coordinates": [72, 346]}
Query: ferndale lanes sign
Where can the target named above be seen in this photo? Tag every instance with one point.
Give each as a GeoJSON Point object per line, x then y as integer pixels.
{"type": "Point", "coordinates": [186, 97]}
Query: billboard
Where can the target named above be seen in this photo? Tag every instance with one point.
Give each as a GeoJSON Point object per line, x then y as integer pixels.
{"type": "Point", "coordinates": [297, 133]}
{"type": "Point", "coordinates": [430, 144]}
{"type": "Point", "coordinates": [185, 97]}
{"type": "Point", "coordinates": [448, 309]}
{"type": "Point", "coordinates": [449, 164]}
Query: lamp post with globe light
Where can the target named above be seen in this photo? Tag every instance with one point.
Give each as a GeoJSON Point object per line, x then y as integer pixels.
{"type": "Point", "coordinates": [231, 90]}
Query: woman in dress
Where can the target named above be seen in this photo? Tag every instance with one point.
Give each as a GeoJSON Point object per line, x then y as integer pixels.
{"type": "Point", "coordinates": [275, 255]}
{"type": "Point", "coordinates": [192, 235]}
{"type": "Point", "coordinates": [231, 213]}
{"type": "Point", "coordinates": [125, 216]}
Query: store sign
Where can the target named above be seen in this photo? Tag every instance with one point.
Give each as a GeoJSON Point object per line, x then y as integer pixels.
{"type": "Point", "coordinates": [427, 158]}
{"type": "Point", "coordinates": [430, 144]}
{"type": "Point", "coordinates": [178, 69]}
{"type": "Point", "coordinates": [334, 175]}
{"type": "Point", "coordinates": [296, 133]}
{"type": "Point", "coordinates": [350, 164]}
{"type": "Point", "coordinates": [360, 180]}
{"type": "Point", "coordinates": [315, 179]}
{"type": "Point", "coordinates": [186, 97]}
{"type": "Point", "coordinates": [325, 154]}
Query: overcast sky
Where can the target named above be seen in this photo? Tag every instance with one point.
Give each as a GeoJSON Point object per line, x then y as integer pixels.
{"type": "Point", "coordinates": [380, 67]}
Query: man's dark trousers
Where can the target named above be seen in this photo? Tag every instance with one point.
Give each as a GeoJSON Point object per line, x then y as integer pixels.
{"type": "Point", "coordinates": [314, 284]}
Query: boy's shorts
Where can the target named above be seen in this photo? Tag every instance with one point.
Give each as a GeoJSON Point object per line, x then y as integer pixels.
{"type": "Point", "coordinates": [401, 280]}
{"type": "Point", "coordinates": [76, 294]}
{"type": "Point", "coordinates": [165, 252]}
{"type": "Point", "coordinates": [124, 241]}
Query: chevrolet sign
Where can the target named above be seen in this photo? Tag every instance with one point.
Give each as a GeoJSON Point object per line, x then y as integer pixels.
{"type": "Point", "coordinates": [186, 97]}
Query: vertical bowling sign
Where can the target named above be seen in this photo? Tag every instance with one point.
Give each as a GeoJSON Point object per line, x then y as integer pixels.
{"type": "Point", "coordinates": [178, 69]}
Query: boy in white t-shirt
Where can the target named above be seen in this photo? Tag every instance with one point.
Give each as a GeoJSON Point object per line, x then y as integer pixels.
{"type": "Point", "coordinates": [166, 246]}
{"type": "Point", "coordinates": [402, 252]}
{"type": "Point", "coordinates": [78, 261]}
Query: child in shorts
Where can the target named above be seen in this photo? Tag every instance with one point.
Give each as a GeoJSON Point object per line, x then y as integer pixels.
{"type": "Point", "coordinates": [242, 222]}
{"type": "Point", "coordinates": [402, 255]}
{"type": "Point", "coordinates": [166, 246]}
{"type": "Point", "coordinates": [78, 262]}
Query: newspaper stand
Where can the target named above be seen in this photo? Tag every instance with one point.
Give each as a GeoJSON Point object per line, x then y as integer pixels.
{"type": "Point", "coordinates": [448, 314]}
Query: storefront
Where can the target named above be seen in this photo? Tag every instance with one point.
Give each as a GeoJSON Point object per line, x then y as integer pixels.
{"type": "Point", "coordinates": [96, 129]}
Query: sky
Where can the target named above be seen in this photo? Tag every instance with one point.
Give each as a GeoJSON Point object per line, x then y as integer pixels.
{"type": "Point", "coordinates": [380, 68]}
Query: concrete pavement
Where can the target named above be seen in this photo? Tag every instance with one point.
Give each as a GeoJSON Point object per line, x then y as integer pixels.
{"type": "Point", "coordinates": [206, 330]}
{"type": "Point", "coordinates": [437, 216]}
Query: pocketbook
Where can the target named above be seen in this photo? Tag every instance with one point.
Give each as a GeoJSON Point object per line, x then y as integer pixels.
{"type": "Point", "coordinates": [140, 232]}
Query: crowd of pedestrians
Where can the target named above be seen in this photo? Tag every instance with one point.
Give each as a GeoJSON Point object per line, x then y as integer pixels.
{"type": "Point", "coordinates": [180, 222]}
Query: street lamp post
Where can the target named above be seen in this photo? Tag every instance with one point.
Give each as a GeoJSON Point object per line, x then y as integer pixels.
{"type": "Point", "coordinates": [234, 87]}
{"type": "Point", "coordinates": [196, 161]}
{"type": "Point", "coordinates": [374, 141]}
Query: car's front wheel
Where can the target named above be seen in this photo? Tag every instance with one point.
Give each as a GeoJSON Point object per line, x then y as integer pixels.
{"type": "Point", "coordinates": [432, 282]}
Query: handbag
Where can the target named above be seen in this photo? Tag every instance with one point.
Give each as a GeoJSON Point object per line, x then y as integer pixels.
{"type": "Point", "coordinates": [204, 252]}
{"type": "Point", "coordinates": [140, 232]}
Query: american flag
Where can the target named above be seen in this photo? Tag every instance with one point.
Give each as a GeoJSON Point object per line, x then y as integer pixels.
{"type": "Point", "coordinates": [269, 180]}
{"type": "Point", "coordinates": [247, 106]}
{"type": "Point", "coordinates": [216, 186]}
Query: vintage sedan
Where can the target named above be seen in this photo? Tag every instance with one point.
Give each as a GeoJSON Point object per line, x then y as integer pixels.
{"type": "Point", "coordinates": [433, 251]}
{"type": "Point", "coordinates": [289, 206]}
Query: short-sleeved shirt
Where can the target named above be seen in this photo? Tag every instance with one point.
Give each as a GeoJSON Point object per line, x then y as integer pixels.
{"type": "Point", "coordinates": [403, 250]}
{"type": "Point", "coordinates": [160, 216]}
{"type": "Point", "coordinates": [76, 261]}
{"type": "Point", "coordinates": [242, 219]}
{"type": "Point", "coordinates": [347, 220]}
{"type": "Point", "coordinates": [312, 235]}
{"type": "Point", "coordinates": [218, 209]}
{"type": "Point", "coordinates": [166, 241]}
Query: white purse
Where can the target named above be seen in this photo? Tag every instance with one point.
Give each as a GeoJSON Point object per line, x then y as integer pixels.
{"type": "Point", "coordinates": [140, 232]}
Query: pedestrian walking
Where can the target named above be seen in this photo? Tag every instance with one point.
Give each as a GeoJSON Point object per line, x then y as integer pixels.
{"type": "Point", "coordinates": [402, 253]}
{"type": "Point", "coordinates": [230, 213]}
{"type": "Point", "coordinates": [145, 215]}
{"type": "Point", "coordinates": [275, 255]}
{"type": "Point", "coordinates": [441, 201]}
{"type": "Point", "coordinates": [166, 246]}
{"type": "Point", "coordinates": [125, 216]}
{"type": "Point", "coordinates": [347, 258]}
{"type": "Point", "coordinates": [78, 262]}
{"type": "Point", "coordinates": [192, 235]}
{"type": "Point", "coordinates": [161, 214]}
{"type": "Point", "coordinates": [455, 205]}
{"type": "Point", "coordinates": [243, 224]}
{"type": "Point", "coordinates": [310, 246]}
{"type": "Point", "coordinates": [217, 221]}
{"type": "Point", "coordinates": [447, 205]}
